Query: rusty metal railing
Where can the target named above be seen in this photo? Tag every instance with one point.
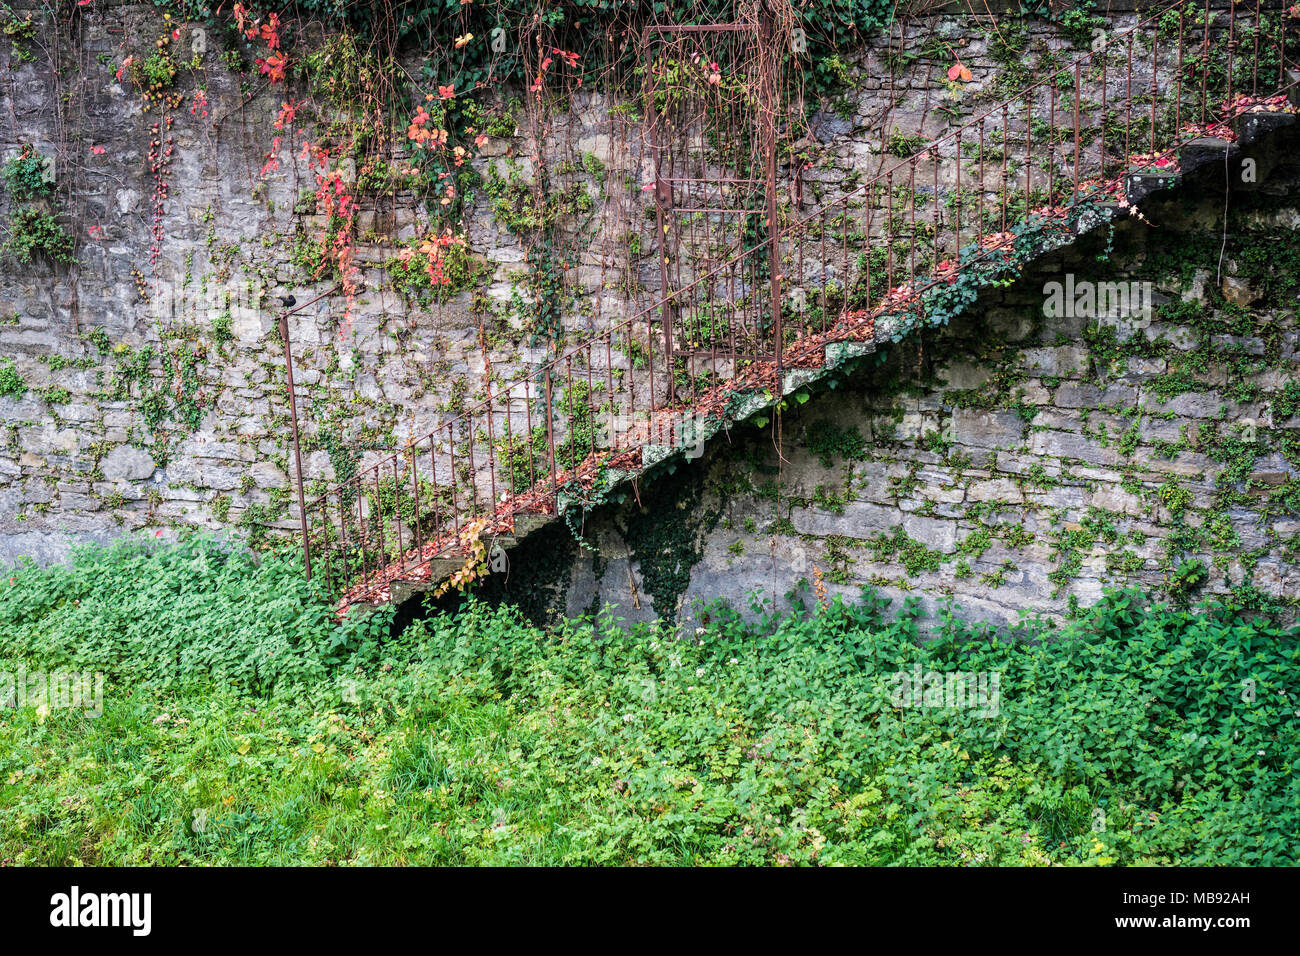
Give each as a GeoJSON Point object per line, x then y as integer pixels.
{"type": "Point", "coordinates": [880, 251]}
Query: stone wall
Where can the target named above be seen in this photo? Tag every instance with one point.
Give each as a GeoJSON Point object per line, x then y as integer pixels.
{"type": "Point", "coordinates": [143, 386]}
{"type": "Point", "coordinates": [149, 384]}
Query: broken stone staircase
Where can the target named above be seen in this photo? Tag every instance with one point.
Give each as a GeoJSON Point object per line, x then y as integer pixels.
{"type": "Point", "coordinates": [1258, 136]}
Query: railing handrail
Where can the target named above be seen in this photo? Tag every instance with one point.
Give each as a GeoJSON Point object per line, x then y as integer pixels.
{"type": "Point", "coordinates": [798, 224]}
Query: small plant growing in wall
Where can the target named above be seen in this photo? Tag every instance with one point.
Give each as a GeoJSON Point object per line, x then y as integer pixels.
{"type": "Point", "coordinates": [152, 74]}
{"type": "Point", "coordinates": [27, 175]}
{"type": "Point", "coordinates": [434, 268]}
{"type": "Point", "coordinates": [904, 145]}
{"type": "Point", "coordinates": [33, 230]}
{"type": "Point", "coordinates": [20, 32]}
{"type": "Point", "coordinates": [1188, 577]}
{"type": "Point", "coordinates": [11, 383]}
{"type": "Point", "coordinates": [35, 233]}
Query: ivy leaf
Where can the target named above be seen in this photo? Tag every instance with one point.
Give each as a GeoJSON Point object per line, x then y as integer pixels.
{"type": "Point", "coordinates": [959, 73]}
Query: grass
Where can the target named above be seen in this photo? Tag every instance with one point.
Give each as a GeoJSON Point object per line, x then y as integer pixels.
{"type": "Point", "coordinates": [284, 737]}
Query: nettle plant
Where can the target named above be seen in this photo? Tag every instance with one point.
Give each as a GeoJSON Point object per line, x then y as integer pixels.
{"type": "Point", "coordinates": [813, 737]}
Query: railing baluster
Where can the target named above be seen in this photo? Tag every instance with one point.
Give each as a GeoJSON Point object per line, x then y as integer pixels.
{"type": "Point", "coordinates": [1155, 73]}
{"type": "Point", "coordinates": [956, 242]}
{"type": "Point", "coordinates": [415, 493]}
{"type": "Point", "coordinates": [1074, 191]}
{"type": "Point", "coordinates": [1205, 64]}
{"type": "Point", "coordinates": [1232, 42]}
{"type": "Point", "coordinates": [397, 509]}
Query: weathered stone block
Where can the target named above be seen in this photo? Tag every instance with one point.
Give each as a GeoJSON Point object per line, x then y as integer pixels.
{"type": "Point", "coordinates": [128, 462]}
{"type": "Point", "coordinates": [981, 429]}
{"type": "Point", "coordinates": [1082, 395]}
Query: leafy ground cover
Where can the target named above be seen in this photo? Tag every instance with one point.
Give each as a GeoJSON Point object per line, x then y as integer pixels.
{"type": "Point", "coordinates": [242, 724]}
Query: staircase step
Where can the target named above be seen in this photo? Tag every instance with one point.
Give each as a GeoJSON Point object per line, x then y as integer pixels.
{"type": "Point", "coordinates": [1252, 127]}
{"type": "Point", "coordinates": [797, 378]}
{"type": "Point", "coordinates": [1101, 213]}
{"type": "Point", "coordinates": [439, 570]}
{"type": "Point", "coordinates": [745, 404]}
{"type": "Point", "coordinates": [652, 454]}
{"type": "Point", "coordinates": [442, 568]}
{"type": "Point", "coordinates": [1139, 186]}
{"type": "Point", "coordinates": [1207, 151]}
{"type": "Point", "coordinates": [526, 524]}
{"type": "Point", "coordinates": [403, 591]}
{"type": "Point", "coordinates": [837, 353]}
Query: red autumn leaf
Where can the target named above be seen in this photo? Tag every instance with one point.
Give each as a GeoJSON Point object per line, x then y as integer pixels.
{"type": "Point", "coordinates": [958, 71]}
{"type": "Point", "coordinates": [273, 67]}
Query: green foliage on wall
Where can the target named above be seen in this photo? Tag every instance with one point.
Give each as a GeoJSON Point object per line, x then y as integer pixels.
{"type": "Point", "coordinates": [581, 26]}
{"type": "Point", "coordinates": [19, 31]}
{"type": "Point", "coordinates": [410, 275]}
{"type": "Point", "coordinates": [665, 534]}
{"type": "Point", "coordinates": [829, 441]}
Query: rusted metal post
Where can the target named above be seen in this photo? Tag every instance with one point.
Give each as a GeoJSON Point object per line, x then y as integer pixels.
{"type": "Point", "coordinates": [297, 452]}
{"type": "Point", "coordinates": [663, 210]}
{"type": "Point", "coordinates": [767, 117]}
